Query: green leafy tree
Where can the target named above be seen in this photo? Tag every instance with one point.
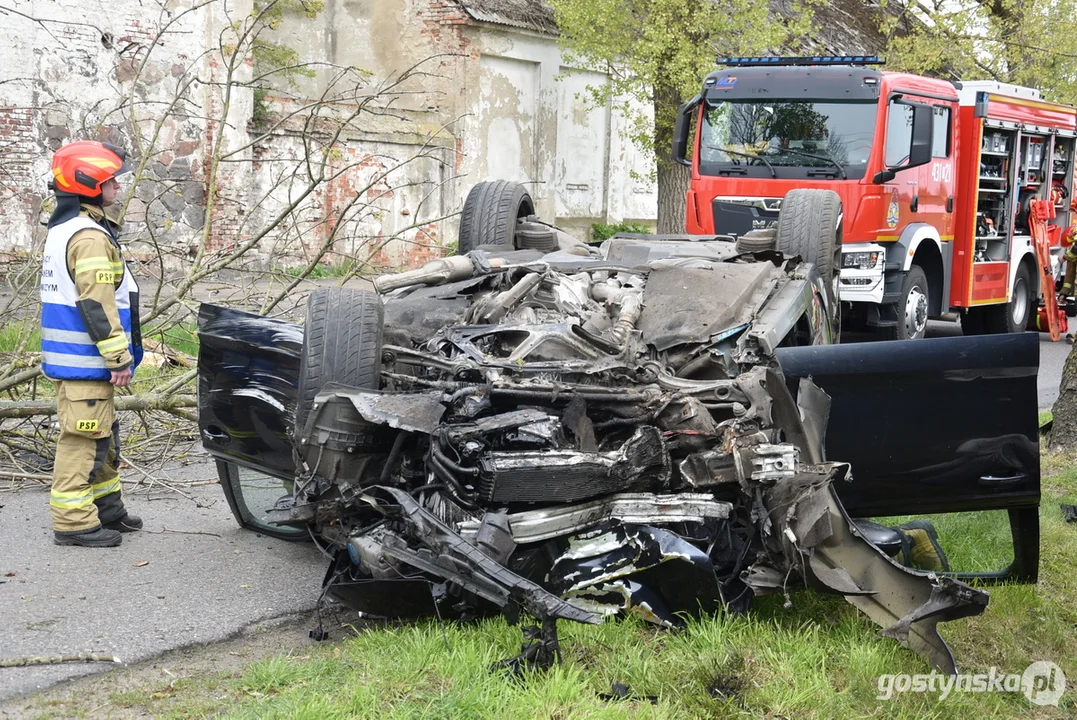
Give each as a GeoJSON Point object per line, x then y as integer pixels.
{"type": "Point", "coordinates": [1029, 42]}
{"type": "Point", "coordinates": [659, 51]}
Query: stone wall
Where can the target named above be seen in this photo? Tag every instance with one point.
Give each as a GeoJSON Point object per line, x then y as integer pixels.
{"type": "Point", "coordinates": [137, 75]}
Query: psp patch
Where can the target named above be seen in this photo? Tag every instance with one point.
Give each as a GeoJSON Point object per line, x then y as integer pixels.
{"type": "Point", "coordinates": [86, 425]}
{"type": "Point", "coordinates": [105, 277]}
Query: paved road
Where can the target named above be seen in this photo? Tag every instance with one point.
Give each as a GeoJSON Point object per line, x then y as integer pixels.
{"type": "Point", "coordinates": [205, 580]}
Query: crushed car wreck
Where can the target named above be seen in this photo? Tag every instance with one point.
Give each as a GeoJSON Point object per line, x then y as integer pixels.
{"type": "Point", "coordinates": [543, 427]}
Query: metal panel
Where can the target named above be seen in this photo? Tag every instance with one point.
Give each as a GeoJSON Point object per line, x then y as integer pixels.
{"type": "Point", "coordinates": [939, 425]}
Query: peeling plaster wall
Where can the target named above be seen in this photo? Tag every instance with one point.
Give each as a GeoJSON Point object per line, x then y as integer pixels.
{"type": "Point", "coordinates": [507, 103]}
{"type": "Point", "coordinates": [532, 122]}
{"type": "Point", "coordinates": [489, 105]}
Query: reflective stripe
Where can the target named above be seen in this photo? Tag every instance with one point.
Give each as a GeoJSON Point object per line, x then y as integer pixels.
{"type": "Point", "coordinates": [106, 487]}
{"type": "Point", "coordinates": [74, 361]}
{"type": "Point", "coordinates": [66, 336]}
{"type": "Point", "coordinates": [113, 344]}
{"type": "Point", "coordinates": [99, 262]}
{"type": "Point", "coordinates": [71, 499]}
{"type": "Point", "coordinates": [61, 348]}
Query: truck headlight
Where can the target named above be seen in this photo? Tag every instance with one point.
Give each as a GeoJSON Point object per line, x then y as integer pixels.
{"type": "Point", "coordinates": [860, 260]}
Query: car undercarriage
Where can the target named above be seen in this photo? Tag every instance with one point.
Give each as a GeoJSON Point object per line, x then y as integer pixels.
{"type": "Point", "coordinates": [565, 432]}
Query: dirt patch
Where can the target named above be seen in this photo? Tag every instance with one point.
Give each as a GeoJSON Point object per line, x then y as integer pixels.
{"type": "Point", "coordinates": [144, 689]}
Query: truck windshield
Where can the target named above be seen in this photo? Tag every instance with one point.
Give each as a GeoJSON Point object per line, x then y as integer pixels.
{"type": "Point", "coordinates": [787, 139]}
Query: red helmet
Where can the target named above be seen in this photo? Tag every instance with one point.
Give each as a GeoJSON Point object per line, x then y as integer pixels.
{"type": "Point", "coordinates": [81, 167]}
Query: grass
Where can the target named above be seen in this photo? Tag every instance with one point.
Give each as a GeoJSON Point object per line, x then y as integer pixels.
{"type": "Point", "coordinates": [12, 334]}
{"type": "Point", "coordinates": [182, 337]}
{"type": "Point", "coordinates": [604, 231]}
{"type": "Point", "coordinates": [973, 541]}
{"type": "Point", "coordinates": [819, 658]}
{"type": "Point", "coordinates": [322, 270]}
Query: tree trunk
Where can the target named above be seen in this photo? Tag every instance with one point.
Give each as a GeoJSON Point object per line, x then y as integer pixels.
{"type": "Point", "coordinates": [672, 176]}
{"type": "Point", "coordinates": [672, 184]}
{"type": "Point", "coordinates": [1063, 434]}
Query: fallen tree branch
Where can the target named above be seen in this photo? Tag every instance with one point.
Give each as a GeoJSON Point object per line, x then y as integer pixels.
{"type": "Point", "coordinates": [20, 378]}
{"type": "Point", "coordinates": [57, 659]}
{"type": "Point", "coordinates": [27, 476]}
{"type": "Point", "coordinates": [169, 403]}
{"type": "Point", "coordinates": [175, 356]}
{"type": "Point", "coordinates": [183, 532]}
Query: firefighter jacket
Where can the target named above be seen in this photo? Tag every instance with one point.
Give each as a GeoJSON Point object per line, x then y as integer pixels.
{"type": "Point", "coordinates": [89, 302]}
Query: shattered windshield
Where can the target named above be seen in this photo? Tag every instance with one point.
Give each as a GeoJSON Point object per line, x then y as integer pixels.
{"type": "Point", "coordinates": [788, 139]}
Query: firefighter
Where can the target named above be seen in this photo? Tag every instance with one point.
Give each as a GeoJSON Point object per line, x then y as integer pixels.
{"type": "Point", "coordinates": [90, 344]}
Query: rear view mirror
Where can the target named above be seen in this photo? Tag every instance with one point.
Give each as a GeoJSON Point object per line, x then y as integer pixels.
{"type": "Point", "coordinates": [922, 135]}
{"type": "Point", "coordinates": [681, 130]}
{"type": "Point", "coordinates": [910, 137]}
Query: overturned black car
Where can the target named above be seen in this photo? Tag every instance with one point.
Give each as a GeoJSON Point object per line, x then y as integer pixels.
{"type": "Point", "coordinates": [660, 425]}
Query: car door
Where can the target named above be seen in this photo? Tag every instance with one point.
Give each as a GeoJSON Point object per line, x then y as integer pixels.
{"type": "Point", "coordinates": [945, 425]}
{"type": "Point", "coordinates": [248, 380]}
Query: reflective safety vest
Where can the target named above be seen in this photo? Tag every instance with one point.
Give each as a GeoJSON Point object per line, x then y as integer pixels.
{"type": "Point", "coordinates": [68, 352]}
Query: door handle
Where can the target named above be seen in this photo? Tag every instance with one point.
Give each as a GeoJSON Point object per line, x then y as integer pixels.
{"type": "Point", "coordinates": [950, 204]}
{"type": "Point", "coordinates": [214, 434]}
{"type": "Point", "coordinates": [915, 203]}
{"type": "Point", "coordinates": [1000, 482]}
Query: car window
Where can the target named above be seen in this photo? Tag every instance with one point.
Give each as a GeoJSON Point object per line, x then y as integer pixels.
{"type": "Point", "coordinates": [898, 133]}
{"type": "Point", "coordinates": [940, 147]}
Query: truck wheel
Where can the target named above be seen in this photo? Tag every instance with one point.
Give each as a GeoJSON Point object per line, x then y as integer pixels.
{"type": "Point", "coordinates": [1011, 317]}
{"type": "Point", "coordinates": [912, 308]}
{"type": "Point", "coordinates": [490, 214]}
{"type": "Point", "coordinates": [809, 225]}
{"type": "Point", "coordinates": [342, 344]}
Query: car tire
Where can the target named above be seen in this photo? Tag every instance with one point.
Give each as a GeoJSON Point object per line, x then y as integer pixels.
{"type": "Point", "coordinates": [809, 225]}
{"type": "Point", "coordinates": [342, 344]}
{"type": "Point", "coordinates": [1013, 316]}
{"type": "Point", "coordinates": [757, 241]}
{"type": "Point", "coordinates": [491, 213]}
{"type": "Point", "coordinates": [912, 308]}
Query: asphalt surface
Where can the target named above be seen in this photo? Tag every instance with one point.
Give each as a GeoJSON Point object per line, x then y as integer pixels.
{"type": "Point", "coordinates": [191, 577]}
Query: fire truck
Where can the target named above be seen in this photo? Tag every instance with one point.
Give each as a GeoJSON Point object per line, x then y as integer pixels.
{"type": "Point", "coordinates": [937, 182]}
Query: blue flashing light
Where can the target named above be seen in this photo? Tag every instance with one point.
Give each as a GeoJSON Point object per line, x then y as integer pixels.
{"type": "Point", "coordinates": [808, 60]}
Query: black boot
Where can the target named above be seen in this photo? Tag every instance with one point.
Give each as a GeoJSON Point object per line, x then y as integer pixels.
{"type": "Point", "coordinates": [101, 537]}
{"type": "Point", "coordinates": [127, 524]}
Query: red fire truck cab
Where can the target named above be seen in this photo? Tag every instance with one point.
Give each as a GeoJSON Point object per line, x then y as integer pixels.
{"type": "Point", "coordinates": [935, 179]}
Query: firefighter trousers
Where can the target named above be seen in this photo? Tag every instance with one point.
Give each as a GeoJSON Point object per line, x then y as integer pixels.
{"type": "Point", "coordinates": [86, 479]}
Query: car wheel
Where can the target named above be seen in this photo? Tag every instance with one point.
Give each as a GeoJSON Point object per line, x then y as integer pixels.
{"type": "Point", "coordinates": [809, 225]}
{"type": "Point", "coordinates": [491, 212]}
{"type": "Point", "coordinates": [912, 308]}
{"type": "Point", "coordinates": [342, 344]}
{"type": "Point", "coordinates": [1013, 316]}
{"type": "Point", "coordinates": [756, 241]}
